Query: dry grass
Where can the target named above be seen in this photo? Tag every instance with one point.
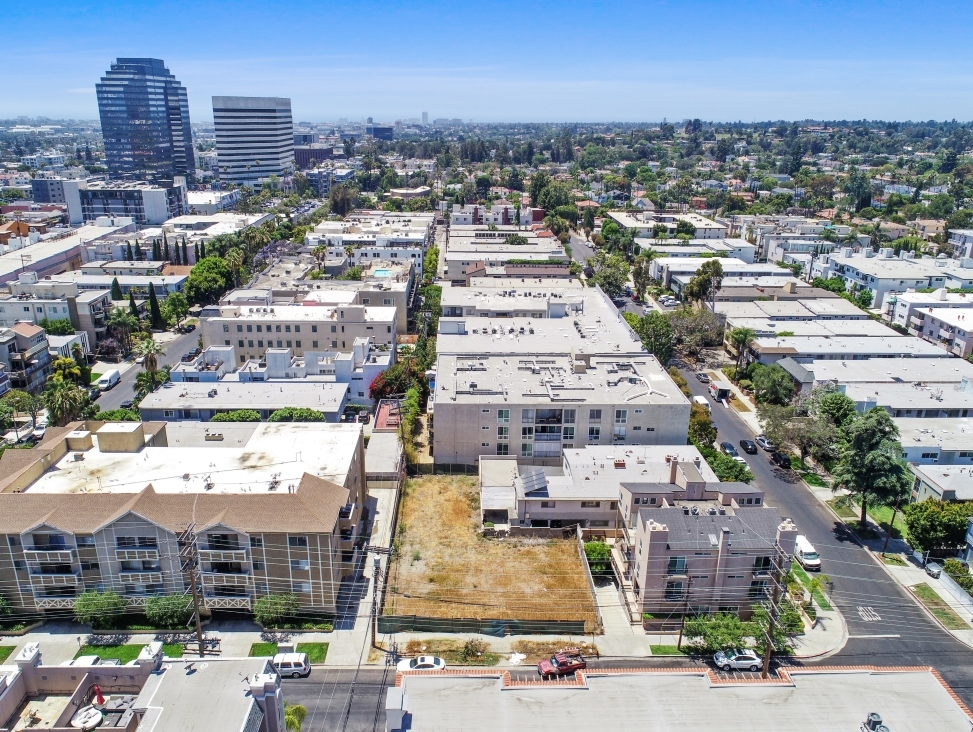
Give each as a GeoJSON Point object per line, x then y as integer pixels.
{"type": "Point", "coordinates": [451, 650]}
{"type": "Point", "coordinates": [444, 568]}
{"type": "Point", "coordinates": [539, 650]}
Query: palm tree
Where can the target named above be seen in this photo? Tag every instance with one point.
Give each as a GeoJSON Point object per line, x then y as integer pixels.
{"type": "Point", "coordinates": [65, 401]}
{"type": "Point", "coordinates": [741, 338]}
{"type": "Point", "coordinates": [150, 351]}
{"type": "Point", "coordinates": [122, 323]}
{"type": "Point", "coordinates": [67, 369]}
{"type": "Point", "coordinates": [234, 262]}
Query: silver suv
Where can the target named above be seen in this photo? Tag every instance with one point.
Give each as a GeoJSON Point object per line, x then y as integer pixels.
{"type": "Point", "coordinates": [746, 659]}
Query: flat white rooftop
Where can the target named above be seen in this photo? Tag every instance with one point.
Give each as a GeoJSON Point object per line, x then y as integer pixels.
{"type": "Point", "coordinates": [275, 453]}
{"type": "Point", "coordinates": [947, 434]}
{"type": "Point", "coordinates": [892, 370]}
{"type": "Point", "coordinates": [320, 393]}
{"type": "Point", "coordinates": [850, 347]}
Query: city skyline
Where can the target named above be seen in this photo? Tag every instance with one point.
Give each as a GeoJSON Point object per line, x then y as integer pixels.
{"type": "Point", "coordinates": [705, 59]}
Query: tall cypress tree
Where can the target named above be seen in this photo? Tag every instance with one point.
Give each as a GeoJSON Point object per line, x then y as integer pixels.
{"type": "Point", "coordinates": [156, 252]}
{"type": "Point", "coordinates": [202, 251]}
{"type": "Point", "coordinates": [196, 251]}
{"type": "Point", "coordinates": [185, 254]}
{"type": "Point", "coordinates": [128, 251]}
{"type": "Point", "coordinates": [165, 252]}
{"type": "Point", "coordinates": [138, 251]}
{"type": "Point", "coordinates": [116, 290]}
{"type": "Point", "coordinates": [132, 307]}
{"type": "Point", "coordinates": [155, 314]}
{"type": "Point", "coordinates": [175, 253]}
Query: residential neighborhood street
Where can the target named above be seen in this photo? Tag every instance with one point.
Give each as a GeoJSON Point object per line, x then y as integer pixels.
{"type": "Point", "coordinates": [125, 389]}
{"type": "Point", "coordinates": [886, 627]}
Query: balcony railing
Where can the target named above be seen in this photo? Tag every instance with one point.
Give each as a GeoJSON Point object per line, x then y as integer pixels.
{"type": "Point", "coordinates": [140, 578]}
{"type": "Point", "coordinates": [221, 602]}
{"type": "Point", "coordinates": [135, 555]}
{"type": "Point", "coordinates": [49, 555]}
{"type": "Point", "coordinates": [223, 555]}
{"type": "Point", "coordinates": [65, 579]}
{"type": "Point", "coordinates": [235, 579]}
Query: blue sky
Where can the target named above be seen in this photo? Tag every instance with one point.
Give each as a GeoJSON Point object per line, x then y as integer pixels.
{"type": "Point", "coordinates": [509, 61]}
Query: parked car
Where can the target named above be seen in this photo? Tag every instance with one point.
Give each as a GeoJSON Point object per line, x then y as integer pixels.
{"type": "Point", "coordinates": [108, 380]}
{"type": "Point", "coordinates": [189, 328]}
{"type": "Point", "coordinates": [39, 432]}
{"type": "Point", "coordinates": [127, 404]}
{"type": "Point", "coordinates": [702, 377]}
{"type": "Point", "coordinates": [934, 570]}
{"type": "Point", "coordinates": [806, 555]}
{"type": "Point", "coordinates": [738, 659]}
{"type": "Point", "coordinates": [565, 662]}
{"type": "Point", "coordinates": [647, 309]}
{"type": "Point", "coordinates": [781, 460]}
{"type": "Point", "coordinates": [738, 459]}
{"type": "Point", "coordinates": [364, 417]}
{"type": "Point", "coordinates": [93, 393]}
{"type": "Point", "coordinates": [749, 446]}
{"type": "Point", "coordinates": [186, 357]}
{"type": "Point", "coordinates": [140, 360]}
{"type": "Point", "coordinates": [421, 663]}
{"type": "Point", "coordinates": [195, 352]}
{"type": "Point", "coordinates": [83, 661]}
{"type": "Point", "coordinates": [764, 443]}
{"type": "Point", "coordinates": [727, 449]}
{"type": "Point", "coordinates": [702, 401]}
{"type": "Point", "coordinates": [294, 665]}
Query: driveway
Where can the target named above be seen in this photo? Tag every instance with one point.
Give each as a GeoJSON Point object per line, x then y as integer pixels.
{"type": "Point", "coordinates": [885, 624]}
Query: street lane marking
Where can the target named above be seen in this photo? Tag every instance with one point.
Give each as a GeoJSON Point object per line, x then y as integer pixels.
{"type": "Point", "coordinates": [880, 635]}
{"type": "Point", "coordinates": [868, 614]}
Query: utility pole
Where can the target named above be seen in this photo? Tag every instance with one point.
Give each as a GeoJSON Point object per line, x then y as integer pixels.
{"type": "Point", "coordinates": [685, 610]}
{"type": "Point", "coordinates": [189, 557]}
{"type": "Point", "coordinates": [376, 578]}
{"type": "Point", "coordinates": [772, 613]}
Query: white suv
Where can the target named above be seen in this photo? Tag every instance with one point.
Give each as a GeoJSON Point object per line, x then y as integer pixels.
{"type": "Point", "coordinates": [294, 665]}
{"type": "Point", "coordinates": [738, 659]}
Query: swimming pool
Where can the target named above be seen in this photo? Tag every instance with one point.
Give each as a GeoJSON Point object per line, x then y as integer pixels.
{"type": "Point", "coordinates": [383, 273]}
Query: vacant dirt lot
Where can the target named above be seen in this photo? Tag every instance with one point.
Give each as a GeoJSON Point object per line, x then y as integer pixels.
{"type": "Point", "coordinates": [445, 569]}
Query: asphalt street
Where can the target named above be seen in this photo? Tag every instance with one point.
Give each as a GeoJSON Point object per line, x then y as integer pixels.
{"type": "Point", "coordinates": [125, 389]}
{"type": "Point", "coordinates": [885, 624]}
{"type": "Point", "coordinates": [331, 705]}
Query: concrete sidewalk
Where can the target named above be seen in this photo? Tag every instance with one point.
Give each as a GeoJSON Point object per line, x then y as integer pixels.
{"type": "Point", "coordinates": [749, 415]}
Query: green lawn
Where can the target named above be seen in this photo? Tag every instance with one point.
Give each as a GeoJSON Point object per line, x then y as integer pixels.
{"type": "Point", "coordinates": [883, 514]}
{"type": "Point", "coordinates": [127, 652]}
{"type": "Point", "coordinates": [843, 510]}
{"type": "Point", "coordinates": [938, 607]}
{"type": "Point", "coordinates": [895, 560]}
{"type": "Point", "coordinates": [667, 651]}
{"type": "Point", "coordinates": [5, 652]}
{"type": "Point", "coordinates": [263, 649]}
{"type": "Point", "coordinates": [316, 652]}
{"type": "Point", "coordinates": [818, 596]}
{"type": "Point", "coordinates": [94, 377]}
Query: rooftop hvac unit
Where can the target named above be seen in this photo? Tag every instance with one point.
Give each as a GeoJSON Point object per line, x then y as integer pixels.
{"type": "Point", "coordinates": [873, 722]}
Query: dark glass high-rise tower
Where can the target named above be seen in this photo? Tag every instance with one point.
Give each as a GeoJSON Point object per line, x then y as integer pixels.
{"type": "Point", "coordinates": [145, 121]}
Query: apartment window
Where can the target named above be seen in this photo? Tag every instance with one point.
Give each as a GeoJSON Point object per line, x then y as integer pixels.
{"type": "Point", "coordinates": [287, 329]}
{"type": "Point", "coordinates": [758, 588]}
{"type": "Point", "coordinates": [761, 564]}
{"type": "Point", "coordinates": [594, 434]}
{"type": "Point", "coordinates": [249, 329]}
{"type": "Point", "coordinates": [966, 454]}
{"type": "Point", "coordinates": [674, 591]}
{"type": "Point", "coordinates": [638, 411]}
{"type": "Point", "coordinates": [503, 448]}
{"type": "Point", "coordinates": [590, 504]}
{"type": "Point", "coordinates": [257, 566]}
{"type": "Point", "coordinates": [598, 523]}
{"type": "Point", "coordinates": [260, 344]}
{"type": "Point", "coordinates": [387, 301]}
{"type": "Point", "coordinates": [621, 416]}
{"type": "Point", "coordinates": [484, 444]}
{"type": "Point", "coordinates": [168, 413]}
{"type": "Point", "coordinates": [503, 416]}
{"type": "Point", "coordinates": [249, 344]}
{"type": "Point", "coordinates": [527, 450]}
{"type": "Point", "coordinates": [547, 504]}
{"type": "Point", "coordinates": [301, 565]}
{"type": "Point", "coordinates": [277, 329]}
{"type": "Point", "coordinates": [296, 343]}
{"type": "Point", "coordinates": [226, 343]}
{"type": "Point", "coordinates": [568, 416]}
{"type": "Point", "coordinates": [314, 329]}
{"type": "Point", "coordinates": [594, 415]}
{"type": "Point", "coordinates": [297, 541]}
{"type": "Point", "coordinates": [297, 329]}
{"type": "Point", "coordinates": [314, 344]}
{"type": "Point", "coordinates": [89, 566]}
{"type": "Point", "coordinates": [20, 565]}
{"type": "Point", "coordinates": [619, 432]}
{"type": "Point", "coordinates": [85, 540]}
{"type": "Point", "coordinates": [388, 328]}
{"type": "Point", "coordinates": [334, 344]}
{"type": "Point", "coordinates": [288, 344]}
{"type": "Point", "coordinates": [567, 433]}
{"type": "Point", "coordinates": [677, 565]}
{"type": "Point", "coordinates": [226, 327]}
{"type": "Point", "coordinates": [258, 329]}
{"type": "Point", "coordinates": [527, 416]}
{"type": "Point", "coordinates": [256, 541]}
{"type": "Point", "coordinates": [503, 433]}
{"type": "Point", "coordinates": [334, 328]}
{"type": "Point", "coordinates": [125, 541]}
{"type": "Point", "coordinates": [148, 542]}
{"type": "Point", "coordinates": [527, 433]}
{"type": "Point", "coordinates": [300, 587]}
{"type": "Point", "coordinates": [239, 329]}
{"type": "Point", "coordinates": [927, 455]}
{"type": "Point", "coordinates": [240, 344]}
{"type": "Point", "coordinates": [13, 541]}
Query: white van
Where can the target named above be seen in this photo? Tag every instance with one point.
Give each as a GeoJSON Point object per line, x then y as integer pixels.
{"type": "Point", "coordinates": [701, 401]}
{"type": "Point", "coordinates": [806, 555]}
{"type": "Point", "coordinates": [294, 665]}
{"type": "Point", "coordinates": [108, 380]}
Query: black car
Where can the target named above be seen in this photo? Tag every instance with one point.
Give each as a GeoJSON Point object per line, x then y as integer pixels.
{"type": "Point", "coordinates": [749, 446]}
{"type": "Point", "coordinates": [186, 357]}
{"type": "Point", "coordinates": [702, 377]}
{"type": "Point", "coordinates": [127, 404]}
{"type": "Point", "coordinates": [781, 459]}
{"type": "Point", "coordinates": [189, 328]}
{"type": "Point", "coordinates": [727, 449]}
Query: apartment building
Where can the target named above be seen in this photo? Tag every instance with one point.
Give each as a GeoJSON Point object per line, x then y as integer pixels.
{"type": "Point", "coordinates": [917, 399]}
{"type": "Point", "coordinates": [908, 308]}
{"type": "Point", "coordinates": [676, 272]}
{"type": "Point", "coordinates": [382, 235]}
{"type": "Point", "coordinates": [803, 349]}
{"type": "Point", "coordinates": [137, 283]}
{"type": "Point", "coordinates": [949, 328]}
{"type": "Point", "coordinates": [31, 301]}
{"type": "Point", "coordinates": [98, 506]}
{"type": "Point", "coordinates": [252, 330]}
{"type": "Point", "coordinates": [25, 351]}
{"type": "Point", "coordinates": [145, 203]}
{"type": "Point", "coordinates": [962, 242]}
{"type": "Point", "coordinates": [730, 248]}
{"type": "Point", "coordinates": [254, 138]}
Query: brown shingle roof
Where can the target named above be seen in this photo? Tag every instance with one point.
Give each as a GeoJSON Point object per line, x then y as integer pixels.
{"type": "Point", "coordinates": [26, 329]}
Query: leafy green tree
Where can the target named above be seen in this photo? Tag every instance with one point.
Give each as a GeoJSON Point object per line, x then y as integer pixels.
{"type": "Point", "coordinates": [208, 280]}
{"type": "Point", "coordinates": [772, 385]}
{"type": "Point", "coordinates": [60, 327]}
{"type": "Point", "coordinates": [175, 308]}
{"type": "Point", "coordinates": [66, 369]}
{"type": "Point", "coordinates": [122, 324]}
{"type": "Point", "coordinates": [684, 227]}
{"type": "Point", "coordinates": [837, 408]}
{"type": "Point", "coordinates": [720, 632]}
{"type": "Point", "coordinates": [272, 610]}
{"type": "Point", "coordinates": [702, 431]}
{"type": "Point", "coordinates": [599, 557]}
{"type": "Point", "coordinates": [82, 363]}
{"type": "Point", "coordinates": [641, 277]}
{"type": "Point", "coordinates": [25, 402]}
{"type": "Point", "coordinates": [341, 199]}
{"type": "Point", "coordinates": [116, 290]}
{"type": "Point", "coordinates": [119, 415]}
{"type": "Point", "coordinates": [741, 338]}
{"type": "Point", "coordinates": [657, 335]}
{"type": "Point", "coordinates": [294, 715]}
{"type": "Point", "coordinates": [554, 196]}
{"type": "Point", "coordinates": [101, 610]}
{"type": "Point", "coordinates": [705, 283]}
{"type": "Point", "coordinates": [610, 272]}
{"type": "Point", "coordinates": [65, 401]}
{"type": "Point", "coordinates": [870, 466]}
{"type": "Point", "coordinates": [168, 611]}
{"type": "Point", "coordinates": [240, 415]}
{"type": "Point", "coordinates": [936, 524]}
{"type": "Point", "coordinates": [296, 414]}
{"type": "Point", "coordinates": [352, 273]}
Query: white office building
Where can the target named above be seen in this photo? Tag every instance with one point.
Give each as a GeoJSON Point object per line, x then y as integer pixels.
{"type": "Point", "coordinates": [254, 138]}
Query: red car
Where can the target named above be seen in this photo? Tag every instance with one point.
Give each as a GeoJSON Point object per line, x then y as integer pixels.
{"type": "Point", "coordinates": [566, 662]}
